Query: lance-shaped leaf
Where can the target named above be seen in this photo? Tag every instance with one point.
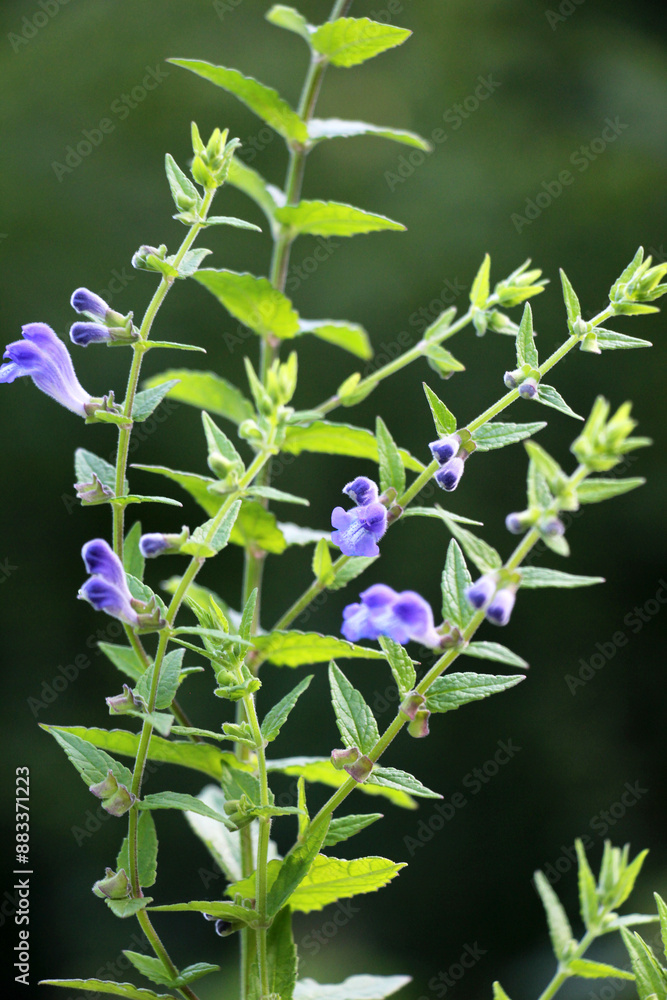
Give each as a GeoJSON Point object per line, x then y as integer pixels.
{"type": "Point", "coordinates": [499, 434]}
{"type": "Point", "coordinates": [349, 41]}
{"type": "Point", "coordinates": [392, 471]}
{"type": "Point", "coordinates": [92, 764]}
{"type": "Point", "coordinates": [197, 486]}
{"type": "Point", "coordinates": [290, 19]}
{"type": "Point", "coordinates": [559, 926]}
{"type": "Point", "coordinates": [548, 396]}
{"type": "Point", "coordinates": [323, 570]}
{"type": "Point", "coordinates": [337, 128]}
{"type": "Point", "coordinates": [482, 554]}
{"type": "Point", "coordinates": [220, 909]}
{"type": "Point", "coordinates": [595, 490]}
{"type": "Point", "coordinates": [572, 306]}
{"type": "Point", "coordinates": [341, 439]}
{"type": "Point", "coordinates": [205, 390]}
{"type": "Point", "coordinates": [526, 352]}
{"type": "Point", "coordinates": [480, 289]}
{"type": "Point", "coordinates": [147, 851]}
{"type": "Point", "coordinates": [350, 336]}
{"type": "Point", "coordinates": [608, 340]}
{"type": "Point", "coordinates": [651, 980]}
{"type": "Point", "coordinates": [350, 570]}
{"type": "Point", "coordinates": [264, 101]}
{"type": "Point", "coordinates": [494, 651]}
{"type": "Point", "coordinates": [456, 578]}
{"type": "Point", "coordinates": [398, 788]}
{"type": "Point", "coordinates": [180, 184]}
{"type": "Point", "coordinates": [453, 690]}
{"type": "Point", "coordinates": [401, 665]}
{"type": "Point", "coordinates": [281, 957]}
{"type": "Point", "coordinates": [356, 722]}
{"type": "Point", "coordinates": [330, 879]}
{"type": "Point", "coordinates": [346, 826]}
{"type": "Point", "coordinates": [147, 401]}
{"type": "Point", "coordinates": [207, 540]}
{"type": "Point", "coordinates": [393, 777]}
{"type": "Point", "coordinates": [354, 988]}
{"type": "Point", "coordinates": [253, 301]}
{"type": "Point", "coordinates": [190, 263]}
{"type": "Point", "coordinates": [534, 577]}
{"type": "Point", "coordinates": [124, 659]}
{"type": "Point", "coordinates": [277, 716]}
{"type": "Point", "coordinates": [597, 970]}
{"type": "Point", "coordinates": [444, 420]}
{"type": "Point", "coordinates": [588, 897]}
{"type": "Point", "coordinates": [153, 969]}
{"type": "Point", "coordinates": [182, 801]}
{"type": "Point", "coordinates": [95, 986]}
{"type": "Point", "coordinates": [293, 869]}
{"type": "Point", "coordinates": [662, 913]}
{"type": "Point", "coordinates": [441, 361]}
{"type": "Point", "coordinates": [133, 561]}
{"type": "Point", "coordinates": [294, 649]}
{"type": "Point", "coordinates": [332, 218]}
{"type": "Point", "coordinates": [168, 681]}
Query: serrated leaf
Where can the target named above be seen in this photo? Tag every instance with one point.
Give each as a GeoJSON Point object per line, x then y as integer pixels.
{"type": "Point", "coordinates": [401, 665]}
{"type": "Point", "coordinates": [572, 306]}
{"type": "Point", "coordinates": [191, 261]}
{"type": "Point", "coordinates": [253, 301]}
{"type": "Point", "coordinates": [498, 434]}
{"type": "Point", "coordinates": [629, 920]}
{"type": "Point", "coordinates": [153, 968]}
{"type": "Point", "coordinates": [548, 396]}
{"type": "Point", "coordinates": [608, 340]}
{"type": "Point", "coordinates": [626, 882]}
{"type": "Point", "coordinates": [181, 801]}
{"type": "Point", "coordinates": [596, 970]}
{"type": "Point", "coordinates": [258, 527]}
{"type": "Point", "coordinates": [440, 360]}
{"type": "Point", "coordinates": [494, 651]}
{"type": "Point", "coordinates": [362, 987]}
{"type": "Point", "coordinates": [332, 218]}
{"type": "Point", "coordinates": [197, 486]}
{"type": "Point", "coordinates": [456, 578]}
{"type": "Point", "coordinates": [650, 978]}
{"type": "Point", "coordinates": [547, 465]}
{"type": "Point", "coordinates": [454, 690]}
{"type": "Point", "coordinates": [173, 345]}
{"type": "Point", "coordinates": [277, 716]}
{"type": "Point", "coordinates": [526, 352]}
{"type": "Point", "coordinates": [350, 336]}
{"type": "Point", "coordinates": [346, 827]}
{"type": "Point", "coordinates": [480, 289]}
{"type": "Point", "coordinates": [281, 958]}
{"type": "Point", "coordinates": [596, 490]}
{"type": "Point", "coordinates": [337, 128]}
{"type": "Point", "coordinates": [482, 554]}
{"type": "Point", "coordinates": [352, 568]}
{"type": "Point", "coordinates": [393, 777]}
{"type": "Point", "coordinates": [124, 659]}
{"type": "Point", "coordinates": [340, 439]}
{"type": "Point", "coordinates": [168, 682]}
{"type": "Point", "coordinates": [356, 722]}
{"type": "Point", "coordinates": [125, 908]}
{"type": "Point", "coordinates": [147, 851]}
{"type": "Point", "coordinates": [349, 41]}
{"type": "Point", "coordinates": [87, 464]}
{"type": "Point", "coordinates": [392, 471]}
{"type": "Point", "coordinates": [131, 498]}
{"type": "Point", "coordinates": [202, 544]}
{"type": "Point", "coordinates": [296, 534]}
{"type": "Point", "coordinates": [91, 763]}
{"type": "Point", "coordinates": [445, 422]}
{"type": "Point", "coordinates": [533, 577]}
{"type": "Point", "coordinates": [588, 899]}
{"type": "Point", "coordinates": [662, 913]}
{"type": "Point", "coordinates": [538, 491]}
{"type": "Point", "coordinates": [94, 986]}
{"type": "Point", "coordinates": [263, 100]}
{"type": "Point", "coordinates": [330, 879]}
{"type": "Point", "coordinates": [560, 931]}
{"type": "Point", "coordinates": [321, 769]}
{"type": "Point", "coordinates": [440, 514]}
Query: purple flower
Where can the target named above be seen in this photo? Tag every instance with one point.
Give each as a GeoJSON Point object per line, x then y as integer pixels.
{"type": "Point", "coordinates": [445, 448]}
{"type": "Point", "coordinates": [500, 608]}
{"type": "Point", "coordinates": [83, 334]}
{"type": "Point", "coordinates": [359, 529]}
{"type": "Point", "coordinates": [528, 389]}
{"type": "Point", "coordinates": [449, 475]}
{"type": "Point", "coordinates": [516, 523]}
{"type": "Point", "coordinates": [153, 545]}
{"type": "Point", "coordinates": [44, 357]}
{"type": "Point", "coordinates": [362, 490]}
{"type": "Point", "coordinates": [382, 611]}
{"type": "Point", "coordinates": [481, 592]}
{"type": "Point", "coordinates": [85, 301]}
{"type": "Point", "coordinates": [107, 588]}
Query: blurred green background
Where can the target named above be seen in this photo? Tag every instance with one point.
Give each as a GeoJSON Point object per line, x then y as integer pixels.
{"type": "Point", "coordinates": [558, 74]}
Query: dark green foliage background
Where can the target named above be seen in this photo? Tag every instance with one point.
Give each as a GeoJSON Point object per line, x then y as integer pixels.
{"type": "Point", "coordinates": [470, 883]}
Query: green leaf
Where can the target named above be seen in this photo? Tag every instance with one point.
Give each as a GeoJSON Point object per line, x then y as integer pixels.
{"type": "Point", "coordinates": [292, 870]}
{"type": "Point", "coordinates": [560, 931]}
{"type": "Point", "coordinates": [356, 722]}
{"type": "Point", "coordinates": [441, 361]}
{"type": "Point", "coordinates": [346, 827]}
{"type": "Point", "coordinates": [349, 41]}
{"type": "Point", "coordinates": [526, 352]}
{"type": "Point", "coordinates": [271, 493]}
{"type": "Point", "coordinates": [182, 801]}
{"type": "Point", "coordinates": [499, 992]}
{"type": "Point", "coordinates": [147, 401]}
{"type": "Point", "coordinates": [456, 578]}
{"type": "Point", "coordinates": [547, 465]}
{"type": "Point", "coordinates": [197, 486]}
{"type": "Point", "coordinates": [330, 879]}
{"type": "Point", "coordinates": [323, 570]}
{"type": "Point", "coordinates": [147, 851]}
{"type": "Point", "coordinates": [180, 183]}
{"type": "Point", "coordinates": [445, 422]}
{"type": "Point", "coordinates": [275, 719]}
{"type": "Point", "coordinates": [534, 577]}
{"type": "Point", "coordinates": [393, 777]}
{"type": "Point", "coordinates": [480, 289]}
{"type": "Point", "coordinates": [168, 682]}
{"type": "Point", "coordinates": [133, 561]}
{"type": "Point", "coordinates": [205, 390]}
{"type": "Point", "coordinates": [220, 909]}
{"type": "Point", "coordinates": [350, 570]}
{"type": "Point", "coordinates": [336, 128]}
{"type": "Point", "coordinates": [92, 764]}
{"type": "Point", "coordinates": [494, 651]}
{"type": "Point", "coordinates": [607, 340]}
{"type": "Point", "coordinates": [350, 336]}
{"type": "Point", "coordinates": [439, 514]}
{"type": "Point", "coordinates": [131, 498]}
{"type": "Point", "coordinates": [264, 101]}
{"type": "Point", "coordinates": [281, 958]}
{"type": "Point", "coordinates": [450, 692]}
{"type": "Point", "coordinates": [340, 439]}
{"type": "Point", "coordinates": [650, 978]}
{"type": "Point", "coordinates": [626, 882]}
{"type": "Point", "coordinates": [124, 659]}
{"type": "Point", "coordinates": [498, 434]}
{"type": "Point", "coordinates": [539, 494]}
{"type": "Point", "coordinates": [392, 471]}
{"type": "Point", "coordinates": [322, 770]}
{"type": "Point", "coordinates": [87, 465]}
{"type": "Point", "coordinates": [482, 554]}
{"type": "Point", "coordinates": [191, 261]}
{"type": "Point", "coordinates": [572, 306]}
{"type": "Point", "coordinates": [153, 968]}
{"type": "Point", "coordinates": [230, 220]}
{"type": "Point", "coordinates": [332, 218]}
{"type": "Point", "coordinates": [254, 186]}
{"type": "Point", "coordinates": [588, 898]}
{"type": "Point", "coordinates": [662, 913]}
{"type": "Point", "coordinates": [596, 970]}
{"type": "Point", "coordinates": [173, 345]}
{"type": "Point", "coordinates": [201, 546]}
{"type": "Point", "coordinates": [253, 301]}
{"type": "Point", "coordinates": [290, 19]}
{"type": "Point", "coordinates": [354, 988]}
{"type": "Point", "coordinates": [223, 844]}
{"type": "Point", "coordinates": [124, 908]}
{"type": "Point", "coordinates": [94, 986]}
{"type": "Point", "coordinates": [258, 527]}
{"type": "Point", "coordinates": [595, 490]}
{"type": "Point", "coordinates": [401, 665]}
{"type": "Point", "coordinates": [548, 396]}
{"type": "Point", "coordinates": [296, 534]}
{"type": "Point", "coordinates": [441, 325]}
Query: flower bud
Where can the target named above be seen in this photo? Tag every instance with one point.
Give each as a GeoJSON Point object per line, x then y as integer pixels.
{"type": "Point", "coordinates": [481, 592]}
{"type": "Point", "coordinates": [115, 885]}
{"type": "Point", "coordinates": [411, 704]}
{"type": "Point", "coordinates": [116, 799]}
{"type": "Point", "coordinates": [93, 492]}
{"type": "Point", "coordinates": [361, 769]}
{"type": "Point", "coordinates": [528, 389]}
{"type": "Point", "coordinates": [418, 728]}
{"type": "Point", "coordinates": [249, 431]}
{"type": "Point", "coordinates": [500, 608]}
{"type": "Point", "coordinates": [511, 379]}
{"type": "Point", "coordinates": [448, 477]}
{"type": "Point", "coordinates": [517, 523]}
{"type": "Point", "coordinates": [119, 704]}
{"type": "Point", "coordinates": [445, 448]}
{"type": "Point", "coordinates": [140, 258]}
{"type": "Point", "coordinates": [342, 758]}
{"type": "Point", "coordinates": [553, 527]}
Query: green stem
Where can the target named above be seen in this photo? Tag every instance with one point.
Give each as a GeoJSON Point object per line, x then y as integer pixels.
{"type": "Point", "coordinates": [561, 974]}
{"type": "Point", "coordinates": [161, 952]}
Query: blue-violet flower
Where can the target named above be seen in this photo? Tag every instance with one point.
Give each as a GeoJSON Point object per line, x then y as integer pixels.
{"type": "Point", "coordinates": [500, 608]}
{"type": "Point", "coordinates": [481, 592]}
{"type": "Point", "coordinates": [383, 611]}
{"type": "Point", "coordinates": [445, 448]}
{"type": "Point", "coordinates": [362, 490]}
{"type": "Point", "coordinates": [43, 356]}
{"type": "Point", "coordinates": [87, 302]}
{"type": "Point", "coordinates": [359, 530]}
{"type": "Point", "coordinates": [107, 588]}
{"type": "Point", "coordinates": [153, 544]}
{"type": "Point", "coordinates": [449, 475]}
{"type": "Point", "coordinates": [83, 334]}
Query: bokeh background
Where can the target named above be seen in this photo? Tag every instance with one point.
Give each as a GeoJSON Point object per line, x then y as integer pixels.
{"type": "Point", "coordinates": [558, 72]}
